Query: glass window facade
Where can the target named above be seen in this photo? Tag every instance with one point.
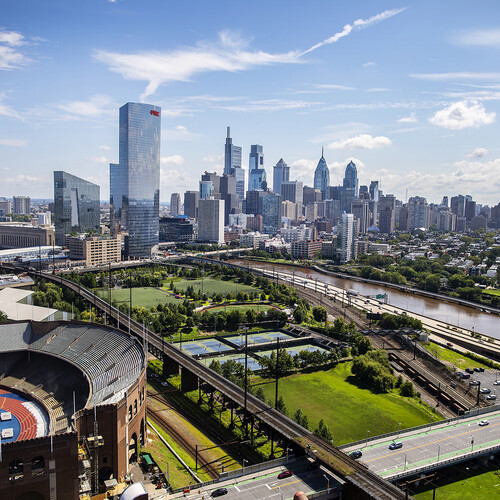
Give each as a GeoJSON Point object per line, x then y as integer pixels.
{"type": "Point", "coordinates": [76, 205]}
{"type": "Point", "coordinates": [140, 130]}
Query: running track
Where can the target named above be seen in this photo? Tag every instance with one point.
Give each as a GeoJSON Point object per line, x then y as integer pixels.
{"type": "Point", "coordinates": [26, 419]}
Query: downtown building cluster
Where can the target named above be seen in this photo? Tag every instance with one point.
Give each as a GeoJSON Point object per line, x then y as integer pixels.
{"type": "Point", "coordinates": [337, 220]}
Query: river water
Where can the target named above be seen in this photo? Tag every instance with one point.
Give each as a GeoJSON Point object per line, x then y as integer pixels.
{"type": "Point", "coordinates": [454, 314]}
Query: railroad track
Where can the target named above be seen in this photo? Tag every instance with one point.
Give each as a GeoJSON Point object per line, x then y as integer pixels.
{"type": "Point", "coordinates": [163, 422]}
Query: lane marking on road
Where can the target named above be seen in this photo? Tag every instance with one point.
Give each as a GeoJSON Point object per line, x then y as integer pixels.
{"type": "Point", "coordinates": [286, 484]}
{"type": "Point", "coordinates": [432, 442]}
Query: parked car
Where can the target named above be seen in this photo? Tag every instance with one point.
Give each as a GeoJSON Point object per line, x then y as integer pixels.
{"type": "Point", "coordinates": [484, 390]}
{"type": "Point", "coordinates": [285, 473]}
{"type": "Point", "coordinates": [395, 445]}
{"type": "Point", "coordinates": [314, 465]}
{"type": "Point", "coordinates": [497, 382]}
{"type": "Point", "coordinates": [356, 454]}
{"type": "Point", "coordinates": [491, 396]}
{"type": "Point", "coordinates": [483, 423]}
{"type": "Point", "coordinates": [469, 370]}
{"type": "Point", "coordinates": [219, 492]}
{"type": "Point", "coordinates": [474, 382]}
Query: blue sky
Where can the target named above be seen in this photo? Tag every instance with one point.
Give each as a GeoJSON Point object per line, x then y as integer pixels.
{"type": "Point", "coordinates": [409, 91]}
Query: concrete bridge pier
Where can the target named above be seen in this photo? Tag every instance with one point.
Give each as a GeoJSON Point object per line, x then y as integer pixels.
{"type": "Point", "coordinates": [170, 367]}
{"type": "Point", "coordinates": [189, 381]}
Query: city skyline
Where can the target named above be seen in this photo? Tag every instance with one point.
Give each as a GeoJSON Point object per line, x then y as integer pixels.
{"type": "Point", "coordinates": [408, 92]}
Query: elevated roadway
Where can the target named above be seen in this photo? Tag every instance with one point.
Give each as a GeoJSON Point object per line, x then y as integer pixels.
{"type": "Point", "coordinates": [431, 447]}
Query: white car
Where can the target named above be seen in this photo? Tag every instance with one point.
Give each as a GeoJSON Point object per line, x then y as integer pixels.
{"type": "Point", "coordinates": [483, 423]}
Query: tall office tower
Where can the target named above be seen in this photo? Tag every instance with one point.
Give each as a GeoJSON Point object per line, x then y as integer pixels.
{"type": "Point", "coordinates": [256, 173]}
{"type": "Point", "coordinates": [292, 191]}
{"type": "Point", "coordinates": [118, 189]}
{"type": "Point", "coordinates": [215, 180]}
{"type": "Point", "coordinates": [211, 220]}
{"type": "Point", "coordinates": [374, 191]}
{"type": "Point", "coordinates": [312, 211]}
{"type": "Point", "coordinates": [360, 210]}
{"type": "Point", "coordinates": [5, 205]}
{"type": "Point", "coordinates": [76, 206]}
{"type": "Point", "coordinates": [322, 176]}
{"type": "Point", "coordinates": [135, 181]}
{"type": "Point", "coordinates": [364, 194]}
{"type": "Point", "coordinates": [418, 213]}
{"type": "Point", "coordinates": [332, 209]}
{"type": "Point", "coordinates": [21, 205]}
{"type": "Point", "coordinates": [444, 203]}
{"type": "Point", "coordinates": [470, 210]}
{"type": "Point", "coordinates": [291, 210]}
{"type": "Point", "coordinates": [402, 220]}
{"type": "Point", "coordinates": [281, 174]}
{"type": "Point", "coordinates": [175, 204]}
{"type": "Point", "coordinates": [347, 236]}
{"type": "Point", "coordinates": [271, 212]}
{"type": "Point", "coordinates": [191, 199]}
{"type": "Point", "coordinates": [228, 194]}
{"type": "Point", "coordinates": [350, 185]}
{"type": "Point", "coordinates": [311, 195]}
{"type": "Point", "coordinates": [457, 205]}
{"type": "Point", "coordinates": [446, 221]}
{"type": "Point", "coordinates": [254, 202]}
{"type": "Point", "coordinates": [232, 165]}
{"type": "Point", "coordinates": [206, 190]}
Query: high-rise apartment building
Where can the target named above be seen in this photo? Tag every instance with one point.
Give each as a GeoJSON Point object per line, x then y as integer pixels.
{"type": "Point", "coordinates": [232, 165]}
{"type": "Point", "coordinates": [360, 210]}
{"type": "Point", "coordinates": [281, 174]}
{"type": "Point", "coordinates": [135, 181]}
{"type": "Point", "coordinates": [191, 199]}
{"type": "Point", "coordinates": [457, 205]}
{"type": "Point", "coordinates": [5, 205]}
{"type": "Point", "coordinates": [271, 212]}
{"type": "Point", "coordinates": [211, 220]}
{"type": "Point", "coordinates": [76, 206]}
{"type": "Point", "coordinates": [322, 176]}
{"type": "Point", "coordinates": [175, 204]}
{"type": "Point", "coordinates": [346, 238]}
{"type": "Point", "coordinates": [418, 213]}
{"type": "Point", "coordinates": [21, 205]}
{"type": "Point", "coordinates": [257, 178]}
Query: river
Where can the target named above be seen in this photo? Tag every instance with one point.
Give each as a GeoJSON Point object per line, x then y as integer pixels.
{"type": "Point", "coordinates": [454, 314]}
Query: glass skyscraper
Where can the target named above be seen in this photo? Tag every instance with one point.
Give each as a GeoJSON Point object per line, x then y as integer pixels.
{"type": "Point", "coordinates": [232, 165]}
{"type": "Point", "coordinates": [76, 206]}
{"type": "Point", "coordinates": [137, 178]}
{"type": "Point", "coordinates": [322, 176]}
{"type": "Point", "coordinates": [256, 173]}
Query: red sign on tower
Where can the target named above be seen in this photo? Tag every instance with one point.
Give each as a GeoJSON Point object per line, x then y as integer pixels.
{"type": "Point", "coordinates": [155, 113]}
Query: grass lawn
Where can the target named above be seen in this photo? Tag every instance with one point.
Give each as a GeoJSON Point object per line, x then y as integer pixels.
{"type": "Point", "coordinates": [211, 285]}
{"type": "Point", "coordinates": [482, 484]}
{"type": "Point", "coordinates": [455, 358]}
{"type": "Point", "coordinates": [348, 410]}
{"type": "Point", "coordinates": [141, 296]}
{"type": "Point", "coordinates": [492, 292]}
{"type": "Point", "coordinates": [241, 307]}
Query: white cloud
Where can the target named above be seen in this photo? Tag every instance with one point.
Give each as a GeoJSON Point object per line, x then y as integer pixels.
{"type": "Point", "coordinates": [96, 107]}
{"type": "Point", "coordinates": [271, 105]}
{"type": "Point", "coordinates": [481, 38]}
{"type": "Point", "coordinates": [359, 24]}
{"type": "Point", "coordinates": [463, 114]}
{"type": "Point", "coordinates": [369, 64]}
{"type": "Point", "coordinates": [98, 159]}
{"type": "Point", "coordinates": [459, 75]}
{"type": "Point", "coordinates": [408, 119]}
{"type": "Point", "coordinates": [362, 141]}
{"type": "Point", "coordinates": [103, 147]}
{"type": "Point", "coordinates": [229, 53]}
{"type": "Point", "coordinates": [174, 160]}
{"type": "Point", "coordinates": [478, 153]}
{"type": "Point", "coordinates": [213, 159]}
{"type": "Point", "coordinates": [13, 142]}
{"type": "Point", "coordinates": [10, 57]}
{"type": "Point", "coordinates": [179, 133]}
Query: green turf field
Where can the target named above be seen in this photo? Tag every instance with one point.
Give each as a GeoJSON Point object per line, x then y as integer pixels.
{"type": "Point", "coordinates": [492, 292]}
{"type": "Point", "coordinates": [455, 358]}
{"type": "Point", "coordinates": [241, 307]}
{"type": "Point", "coordinates": [349, 411]}
{"type": "Point", "coordinates": [211, 285]}
{"type": "Point", "coordinates": [141, 297]}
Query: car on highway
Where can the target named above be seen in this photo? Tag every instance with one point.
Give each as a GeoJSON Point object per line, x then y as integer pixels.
{"type": "Point", "coordinates": [356, 454]}
{"type": "Point", "coordinates": [219, 492]}
{"type": "Point", "coordinates": [284, 474]}
{"type": "Point", "coordinates": [396, 445]}
{"type": "Point", "coordinates": [483, 423]}
{"type": "Point", "coordinates": [484, 390]}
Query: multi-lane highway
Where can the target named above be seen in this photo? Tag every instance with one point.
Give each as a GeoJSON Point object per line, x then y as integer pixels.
{"type": "Point", "coordinates": [430, 446]}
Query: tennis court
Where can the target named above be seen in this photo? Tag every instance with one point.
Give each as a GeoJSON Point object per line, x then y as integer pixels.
{"type": "Point", "coordinates": [296, 349]}
{"type": "Point", "coordinates": [252, 363]}
{"type": "Point", "coordinates": [258, 338]}
{"type": "Point", "coordinates": [208, 346]}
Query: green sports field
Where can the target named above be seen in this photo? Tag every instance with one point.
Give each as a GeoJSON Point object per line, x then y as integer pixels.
{"type": "Point", "coordinates": [351, 413]}
{"type": "Point", "coordinates": [211, 285]}
{"type": "Point", "coordinates": [240, 307]}
{"type": "Point", "coordinates": [141, 297]}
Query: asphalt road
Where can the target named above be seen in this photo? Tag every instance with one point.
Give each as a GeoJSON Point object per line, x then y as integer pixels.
{"type": "Point", "coordinates": [429, 445]}
{"type": "Point", "coordinates": [266, 485]}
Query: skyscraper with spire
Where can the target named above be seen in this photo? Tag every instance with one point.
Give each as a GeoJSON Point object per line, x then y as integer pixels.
{"type": "Point", "coordinates": [350, 187]}
{"type": "Point", "coordinates": [232, 165]}
{"type": "Point", "coordinates": [281, 173]}
{"type": "Point", "coordinates": [322, 176]}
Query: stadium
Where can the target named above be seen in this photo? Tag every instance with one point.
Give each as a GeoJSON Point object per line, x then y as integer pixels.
{"type": "Point", "coordinates": [72, 408]}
